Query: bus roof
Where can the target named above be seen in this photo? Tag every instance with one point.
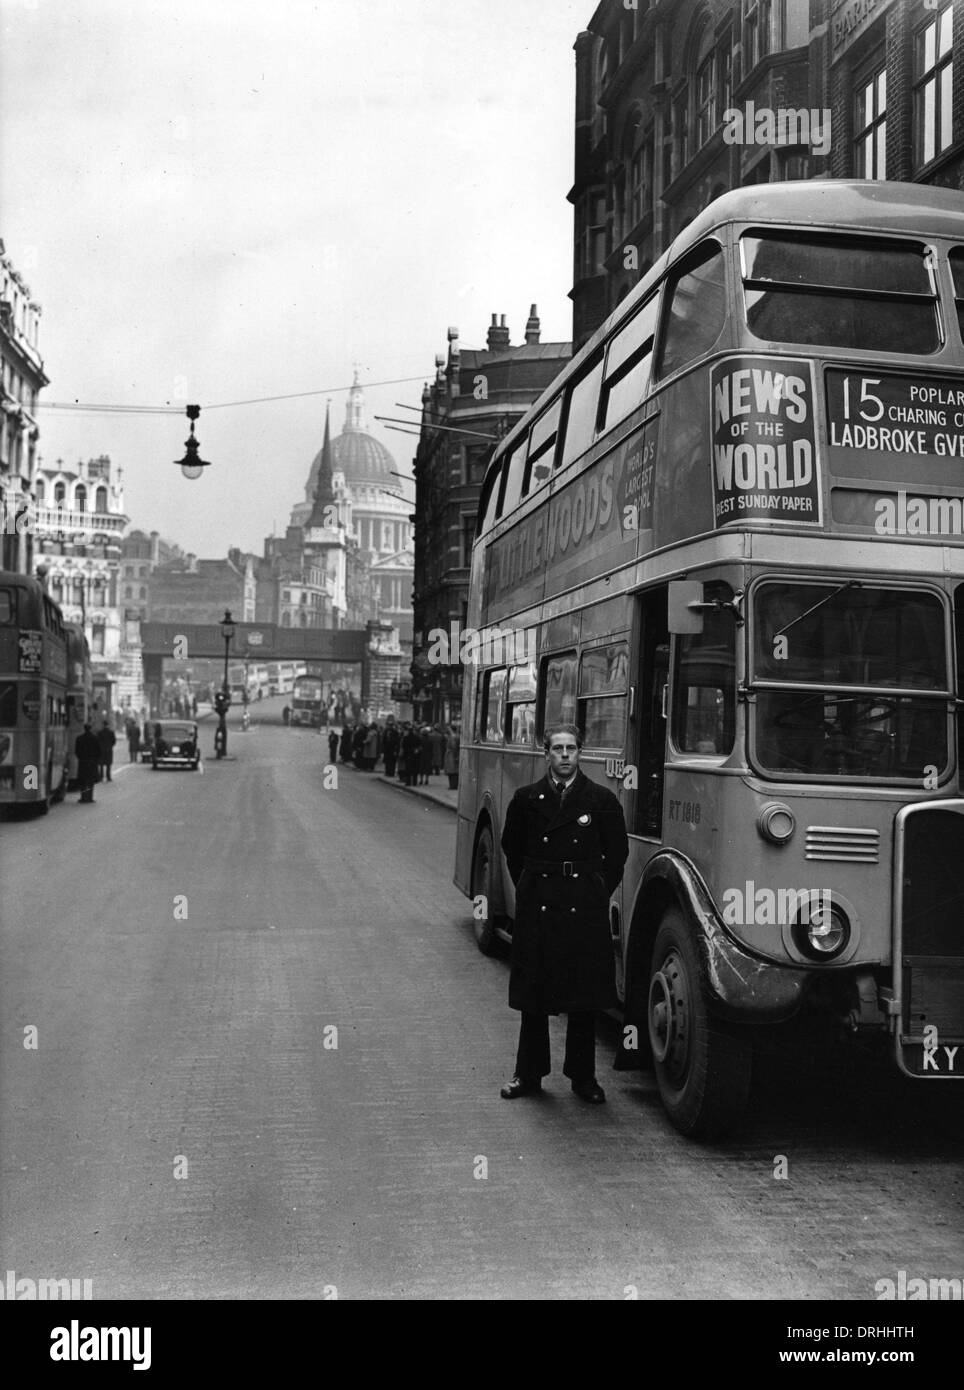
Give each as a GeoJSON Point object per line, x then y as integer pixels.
{"type": "Point", "coordinates": [844, 204]}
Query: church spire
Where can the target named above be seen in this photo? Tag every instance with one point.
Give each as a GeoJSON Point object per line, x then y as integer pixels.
{"type": "Point", "coordinates": [355, 422]}
{"type": "Point", "coordinates": [324, 492]}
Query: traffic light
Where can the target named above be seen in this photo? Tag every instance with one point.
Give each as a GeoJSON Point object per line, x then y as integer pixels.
{"type": "Point", "coordinates": [222, 700]}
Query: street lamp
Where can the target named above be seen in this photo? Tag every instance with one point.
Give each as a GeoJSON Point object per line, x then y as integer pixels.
{"type": "Point", "coordinates": [192, 465]}
{"type": "Point", "coordinates": [223, 699]}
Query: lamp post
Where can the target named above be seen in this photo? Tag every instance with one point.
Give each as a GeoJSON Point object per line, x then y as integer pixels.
{"type": "Point", "coordinates": [223, 699]}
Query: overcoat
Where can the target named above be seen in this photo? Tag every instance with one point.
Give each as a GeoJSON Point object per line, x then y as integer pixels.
{"type": "Point", "coordinates": [562, 952]}
{"type": "Point", "coordinates": [87, 753]}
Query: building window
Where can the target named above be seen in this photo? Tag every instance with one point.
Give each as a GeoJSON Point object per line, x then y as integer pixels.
{"type": "Point", "coordinates": [681, 130]}
{"type": "Point", "coordinates": [756, 32]}
{"type": "Point", "coordinates": [871, 127]}
{"type": "Point", "coordinates": [60, 494]}
{"type": "Point", "coordinates": [468, 536]}
{"type": "Point", "coordinates": [39, 489]}
{"type": "Point", "coordinates": [143, 592]}
{"type": "Point", "coordinates": [128, 591]}
{"type": "Point", "coordinates": [97, 643]}
{"type": "Point", "coordinates": [80, 498]}
{"type": "Point", "coordinates": [934, 80]}
{"type": "Point", "coordinates": [706, 112]}
{"type": "Point", "coordinates": [100, 504]}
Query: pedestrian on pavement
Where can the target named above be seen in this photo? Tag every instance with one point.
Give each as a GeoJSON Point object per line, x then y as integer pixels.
{"type": "Point", "coordinates": [424, 755]}
{"type": "Point", "coordinates": [411, 749]}
{"type": "Point", "coordinates": [87, 752]}
{"type": "Point", "coordinates": [106, 739]}
{"type": "Point", "coordinates": [390, 746]}
{"type": "Point", "coordinates": [194, 707]}
{"type": "Point", "coordinates": [344, 750]}
{"type": "Point", "coordinates": [358, 745]}
{"type": "Point", "coordinates": [437, 740]}
{"type": "Point", "coordinates": [133, 740]}
{"type": "Point", "coordinates": [371, 749]}
{"type": "Point", "coordinates": [565, 846]}
{"type": "Point", "coordinates": [450, 761]}
{"type": "Point", "coordinates": [286, 715]}
{"type": "Point", "coordinates": [332, 747]}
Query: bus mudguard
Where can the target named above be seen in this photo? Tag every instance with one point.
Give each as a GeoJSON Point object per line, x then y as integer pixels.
{"type": "Point", "coordinates": [740, 985]}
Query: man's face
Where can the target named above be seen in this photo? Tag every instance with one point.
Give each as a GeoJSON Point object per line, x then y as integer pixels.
{"type": "Point", "coordinates": [563, 756]}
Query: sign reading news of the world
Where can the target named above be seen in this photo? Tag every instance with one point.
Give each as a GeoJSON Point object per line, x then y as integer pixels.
{"type": "Point", "coordinates": [764, 450]}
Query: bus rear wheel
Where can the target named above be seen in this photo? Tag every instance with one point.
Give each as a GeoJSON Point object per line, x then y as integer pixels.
{"type": "Point", "coordinates": [483, 875]}
{"type": "Point", "coordinates": [702, 1065]}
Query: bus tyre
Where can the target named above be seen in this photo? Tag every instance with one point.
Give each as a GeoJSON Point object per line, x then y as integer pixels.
{"type": "Point", "coordinates": [702, 1064]}
{"type": "Point", "coordinates": [483, 876]}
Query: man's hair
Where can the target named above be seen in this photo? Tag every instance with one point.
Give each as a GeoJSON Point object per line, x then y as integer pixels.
{"type": "Point", "coordinates": [553, 729]}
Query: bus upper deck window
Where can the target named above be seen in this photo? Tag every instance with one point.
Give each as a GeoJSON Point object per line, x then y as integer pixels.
{"type": "Point", "coordinates": [957, 270]}
{"type": "Point", "coordinates": [7, 607]}
{"type": "Point", "coordinates": [849, 292]}
{"type": "Point", "coordinates": [541, 444]}
{"type": "Point", "coordinates": [696, 310]}
{"type": "Point", "coordinates": [583, 409]}
{"type": "Point", "coordinates": [628, 363]}
{"type": "Point", "coordinates": [511, 490]}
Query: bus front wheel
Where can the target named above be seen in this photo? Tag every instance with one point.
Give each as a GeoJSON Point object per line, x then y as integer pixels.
{"type": "Point", "coordinates": [483, 875]}
{"type": "Point", "coordinates": [702, 1064]}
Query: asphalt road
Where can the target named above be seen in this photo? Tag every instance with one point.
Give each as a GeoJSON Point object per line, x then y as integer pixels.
{"type": "Point", "coordinates": [268, 1059]}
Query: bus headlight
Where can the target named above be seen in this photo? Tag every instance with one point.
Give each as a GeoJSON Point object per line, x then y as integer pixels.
{"type": "Point", "coordinates": [822, 933]}
{"type": "Point", "coordinates": [776, 822]}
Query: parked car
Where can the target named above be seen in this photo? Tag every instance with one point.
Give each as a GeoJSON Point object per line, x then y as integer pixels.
{"type": "Point", "coordinates": [175, 744]}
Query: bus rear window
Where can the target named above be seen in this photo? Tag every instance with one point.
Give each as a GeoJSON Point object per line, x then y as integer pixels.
{"type": "Point", "coordinates": [840, 292]}
{"type": "Point", "coordinates": [8, 607]}
{"type": "Point", "coordinates": [957, 270]}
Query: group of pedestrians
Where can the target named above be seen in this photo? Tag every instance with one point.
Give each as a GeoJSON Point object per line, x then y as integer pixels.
{"type": "Point", "coordinates": [413, 753]}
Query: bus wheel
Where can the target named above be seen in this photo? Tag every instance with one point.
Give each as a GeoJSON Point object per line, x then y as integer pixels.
{"type": "Point", "coordinates": [702, 1065]}
{"type": "Point", "coordinates": [483, 873]}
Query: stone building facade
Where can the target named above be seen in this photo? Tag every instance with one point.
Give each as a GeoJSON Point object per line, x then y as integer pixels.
{"type": "Point", "coordinates": [79, 526]}
{"type": "Point", "coordinates": [476, 398]}
{"type": "Point", "coordinates": [678, 101]}
{"type": "Point", "coordinates": [21, 379]}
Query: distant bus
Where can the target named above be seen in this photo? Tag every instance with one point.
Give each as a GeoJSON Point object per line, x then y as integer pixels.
{"type": "Point", "coordinates": [727, 544]}
{"type": "Point", "coordinates": [306, 703]}
{"type": "Point", "coordinates": [80, 692]}
{"type": "Point", "coordinates": [33, 694]}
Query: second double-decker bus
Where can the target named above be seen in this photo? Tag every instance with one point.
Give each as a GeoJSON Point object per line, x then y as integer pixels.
{"type": "Point", "coordinates": [307, 701]}
{"type": "Point", "coordinates": [728, 544]}
{"type": "Point", "coordinates": [33, 694]}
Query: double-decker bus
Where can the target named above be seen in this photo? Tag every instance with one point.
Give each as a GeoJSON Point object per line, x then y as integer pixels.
{"type": "Point", "coordinates": [728, 544]}
{"type": "Point", "coordinates": [307, 701]}
{"type": "Point", "coordinates": [33, 694]}
{"type": "Point", "coordinates": [79, 694]}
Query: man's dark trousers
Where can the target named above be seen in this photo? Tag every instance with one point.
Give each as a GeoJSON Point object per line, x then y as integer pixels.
{"type": "Point", "coordinates": [532, 1061]}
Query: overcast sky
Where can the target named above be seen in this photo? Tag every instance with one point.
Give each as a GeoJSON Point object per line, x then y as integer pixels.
{"type": "Point", "coordinates": [216, 200]}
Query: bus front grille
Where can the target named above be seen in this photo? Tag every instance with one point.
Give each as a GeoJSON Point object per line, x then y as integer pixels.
{"type": "Point", "coordinates": [843, 844]}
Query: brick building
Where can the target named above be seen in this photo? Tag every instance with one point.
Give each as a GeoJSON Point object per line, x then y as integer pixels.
{"type": "Point", "coordinates": [199, 591]}
{"type": "Point", "coordinates": [476, 398]}
{"type": "Point", "coordinates": [680, 100]}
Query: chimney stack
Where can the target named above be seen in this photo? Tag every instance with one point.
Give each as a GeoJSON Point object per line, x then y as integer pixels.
{"type": "Point", "coordinates": [498, 336]}
{"type": "Point", "coordinates": [533, 326]}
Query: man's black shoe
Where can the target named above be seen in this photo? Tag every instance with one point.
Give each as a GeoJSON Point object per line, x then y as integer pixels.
{"type": "Point", "coordinates": [590, 1090]}
{"type": "Point", "coordinates": [516, 1088]}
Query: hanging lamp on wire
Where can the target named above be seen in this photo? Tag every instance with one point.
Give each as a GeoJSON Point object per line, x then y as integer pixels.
{"type": "Point", "coordinates": [192, 465]}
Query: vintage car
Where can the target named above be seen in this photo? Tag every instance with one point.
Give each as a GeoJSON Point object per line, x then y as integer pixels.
{"type": "Point", "coordinates": [175, 744]}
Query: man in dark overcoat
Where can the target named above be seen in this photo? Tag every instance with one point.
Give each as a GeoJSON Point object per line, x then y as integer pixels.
{"type": "Point", "coordinates": [566, 847]}
{"type": "Point", "coordinates": [390, 746]}
{"type": "Point", "coordinates": [106, 738]}
{"type": "Point", "coordinates": [87, 751]}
